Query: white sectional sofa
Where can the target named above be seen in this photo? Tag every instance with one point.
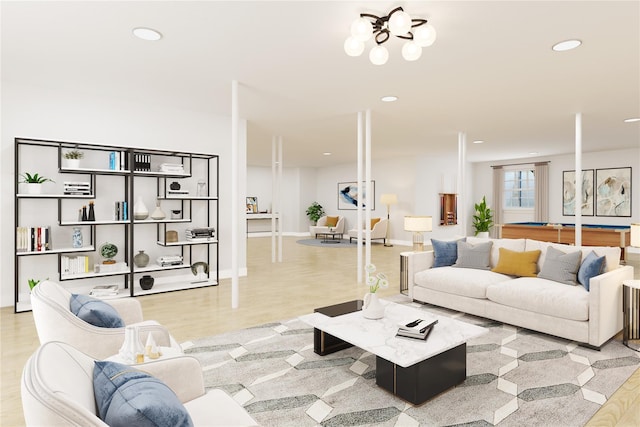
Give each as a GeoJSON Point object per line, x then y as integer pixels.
{"type": "Point", "coordinates": [589, 317]}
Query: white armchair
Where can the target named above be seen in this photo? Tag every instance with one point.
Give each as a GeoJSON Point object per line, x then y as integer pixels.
{"type": "Point", "coordinates": [55, 322]}
{"type": "Point", "coordinates": [321, 227]}
{"type": "Point", "coordinates": [57, 390]}
{"type": "Point", "coordinates": [379, 231]}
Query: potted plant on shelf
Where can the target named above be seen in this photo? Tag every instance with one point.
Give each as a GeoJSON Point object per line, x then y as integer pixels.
{"type": "Point", "coordinates": [34, 182]}
{"type": "Point", "coordinates": [72, 158]}
{"type": "Point", "coordinates": [482, 219]}
{"type": "Point", "coordinates": [314, 212]}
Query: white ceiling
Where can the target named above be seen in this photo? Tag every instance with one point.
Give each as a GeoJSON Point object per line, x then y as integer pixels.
{"type": "Point", "coordinates": [491, 73]}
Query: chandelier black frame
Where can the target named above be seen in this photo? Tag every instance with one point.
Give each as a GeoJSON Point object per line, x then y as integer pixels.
{"type": "Point", "coordinates": [381, 27]}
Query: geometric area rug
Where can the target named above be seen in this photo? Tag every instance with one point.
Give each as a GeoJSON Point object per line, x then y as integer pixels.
{"type": "Point", "coordinates": [515, 377]}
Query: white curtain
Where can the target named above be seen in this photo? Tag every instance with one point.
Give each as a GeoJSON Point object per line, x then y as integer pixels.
{"type": "Point", "coordinates": [542, 192]}
{"type": "Point", "coordinates": [497, 200]}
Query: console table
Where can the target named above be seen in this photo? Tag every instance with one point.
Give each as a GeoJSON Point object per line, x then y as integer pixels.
{"type": "Point", "coordinates": [263, 217]}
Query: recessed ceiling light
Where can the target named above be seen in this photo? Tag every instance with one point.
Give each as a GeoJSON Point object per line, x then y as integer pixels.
{"type": "Point", "coordinates": [566, 45]}
{"type": "Point", "coordinates": [478, 141]}
{"type": "Point", "coordinates": [326, 153]}
{"type": "Point", "coordinates": [389, 98]}
{"type": "Point", "coordinates": [533, 153]}
{"type": "Point", "coordinates": [632, 120]}
{"type": "Point", "coordinates": [147, 34]}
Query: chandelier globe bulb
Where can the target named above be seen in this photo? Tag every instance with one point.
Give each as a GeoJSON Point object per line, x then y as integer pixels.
{"type": "Point", "coordinates": [379, 55]}
{"type": "Point", "coordinates": [361, 29]}
{"type": "Point", "coordinates": [424, 35]}
{"type": "Point", "coordinates": [411, 51]}
{"type": "Point", "coordinates": [353, 46]}
{"type": "Point", "coordinates": [399, 23]}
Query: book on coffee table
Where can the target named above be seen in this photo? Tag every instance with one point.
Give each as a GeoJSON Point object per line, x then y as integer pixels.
{"type": "Point", "coordinates": [418, 329]}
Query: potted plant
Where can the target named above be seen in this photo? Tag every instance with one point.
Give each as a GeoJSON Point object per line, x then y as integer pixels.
{"type": "Point", "coordinates": [314, 212]}
{"type": "Point", "coordinates": [483, 219]}
{"type": "Point", "coordinates": [72, 158]}
{"type": "Point", "coordinates": [34, 182]}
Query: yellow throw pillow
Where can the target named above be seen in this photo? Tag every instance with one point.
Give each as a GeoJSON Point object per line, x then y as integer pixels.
{"type": "Point", "coordinates": [523, 264]}
{"type": "Point", "coordinates": [332, 221]}
{"type": "Point", "coordinates": [374, 221]}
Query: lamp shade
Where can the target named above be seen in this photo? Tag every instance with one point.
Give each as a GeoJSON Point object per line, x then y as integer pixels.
{"type": "Point", "coordinates": [417, 223]}
{"type": "Point", "coordinates": [635, 235]}
{"type": "Point", "coordinates": [389, 199]}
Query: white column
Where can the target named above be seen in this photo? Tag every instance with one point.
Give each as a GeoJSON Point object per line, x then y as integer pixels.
{"type": "Point", "coordinates": [359, 221]}
{"type": "Point", "coordinates": [275, 202]}
{"type": "Point", "coordinates": [578, 194]}
{"type": "Point", "coordinates": [279, 196]}
{"type": "Point", "coordinates": [369, 197]}
{"type": "Point", "coordinates": [460, 187]}
{"type": "Point", "coordinates": [235, 203]}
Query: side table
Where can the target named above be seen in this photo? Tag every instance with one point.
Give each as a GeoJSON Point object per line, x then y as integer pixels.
{"type": "Point", "coordinates": [166, 353]}
{"type": "Point", "coordinates": [630, 311]}
{"type": "Point", "coordinates": [404, 272]}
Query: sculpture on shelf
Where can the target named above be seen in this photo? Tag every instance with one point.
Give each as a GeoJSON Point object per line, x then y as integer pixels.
{"type": "Point", "coordinates": [200, 269]}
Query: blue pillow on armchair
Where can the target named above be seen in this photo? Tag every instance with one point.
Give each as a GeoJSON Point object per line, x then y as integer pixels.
{"type": "Point", "coordinates": [96, 312]}
{"type": "Point", "coordinates": [445, 252]}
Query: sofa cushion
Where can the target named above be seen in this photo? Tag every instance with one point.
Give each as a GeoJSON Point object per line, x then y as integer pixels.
{"type": "Point", "coordinates": [517, 245]}
{"type": "Point", "coordinates": [474, 256]}
{"type": "Point", "coordinates": [374, 221]}
{"type": "Point", "coordinates": [128, 397]}
{"type": "Point", "coordinates": [560, 266]}
{"type": "Point", "coordinates": [542, 296]}
{"type": "Point", "coordinates": [94, 311]}
{"type": "Point", "coordinates": [332, 221]}
{"type": "Point", "coordinates": [445, 252]}
{"type": "Point", "coordinates": [591, 266]}
{"type": "Point", "coordinates": [458, 281]}
{"type": "Point", "coordinates": [611, 253]}
{"type": "Point", "coordinates": [517, 263]}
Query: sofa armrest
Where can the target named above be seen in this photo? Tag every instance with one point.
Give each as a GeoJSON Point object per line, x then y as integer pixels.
{"type": "Point", "coordinates": [416, 262]}
{"type": "Point", "coordinates": [182, 374]}
{"type": "Point", "coordinates": [605, 304]}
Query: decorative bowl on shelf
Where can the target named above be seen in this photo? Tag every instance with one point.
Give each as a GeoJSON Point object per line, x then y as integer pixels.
{"type": "Point", "coordinates": [108, 251]}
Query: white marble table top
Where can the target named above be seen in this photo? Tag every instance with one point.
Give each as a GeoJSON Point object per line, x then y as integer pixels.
{"type": "Point", "coordinates": [379, 336]}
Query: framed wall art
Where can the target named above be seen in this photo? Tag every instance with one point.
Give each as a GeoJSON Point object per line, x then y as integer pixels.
{"type": "Point", "coordinates": [569, 193]}
{"type": "Point", "coordinates": [349, 194]}
{"type": "Point", "coordinates": [613, 192]}
{"type": "Point", "coordinates": [252, 205]}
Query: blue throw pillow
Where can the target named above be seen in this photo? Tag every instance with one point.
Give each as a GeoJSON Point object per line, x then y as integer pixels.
{"type": "Point", "coordinates": [592, 266]}
{"type": "Point", "coordinates": [128, 397]}
{"type": "Point", "coordinates": [445, 252]}
{"type": "Point", "coordinates": [96, 312]}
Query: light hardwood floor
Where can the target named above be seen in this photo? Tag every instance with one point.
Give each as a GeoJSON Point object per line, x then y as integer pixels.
{"type": "Point", "coordinates": [309, 277]}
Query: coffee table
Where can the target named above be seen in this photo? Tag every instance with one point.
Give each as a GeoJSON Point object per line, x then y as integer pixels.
{"type": "Point", "coordinates": [414, 370]}
{"type": "Point", "coordinates": [335, 237]}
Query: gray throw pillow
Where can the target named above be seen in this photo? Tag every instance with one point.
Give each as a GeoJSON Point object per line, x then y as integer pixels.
{"type": "Point", "coordinates": [474, 256]}
{"type": "Point", "coordinates": [560, 267]}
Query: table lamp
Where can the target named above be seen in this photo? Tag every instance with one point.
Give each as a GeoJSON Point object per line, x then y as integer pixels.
{"type": "Point", "coordinates": [417, 224]}
{"type": "Point", "coordinates": [388, 199]}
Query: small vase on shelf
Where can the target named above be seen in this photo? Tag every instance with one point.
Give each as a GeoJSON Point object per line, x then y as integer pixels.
{"type": "Point", "coordinates": [158, 213]}
{"type": "Point", "coordinates": [141, 259]}
{"type": "Point", "coordinates": [140, 210]}
{"type": "Point", "coordinates": [92, 214]}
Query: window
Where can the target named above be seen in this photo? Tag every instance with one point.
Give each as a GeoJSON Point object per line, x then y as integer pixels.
{"type": "Point", "coordinates": [519, 189]}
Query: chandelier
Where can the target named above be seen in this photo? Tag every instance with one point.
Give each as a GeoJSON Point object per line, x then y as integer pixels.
{"type": "Point", "coordinates": [398, 23]}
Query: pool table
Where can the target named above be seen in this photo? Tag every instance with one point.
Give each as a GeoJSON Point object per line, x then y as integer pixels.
{"type": "Point", "coordinates": [592, 234]}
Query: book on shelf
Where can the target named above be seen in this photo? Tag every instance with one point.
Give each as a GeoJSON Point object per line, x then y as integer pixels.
{"type": "Point", "coordinates": [418, 329]}
{"type": "Point", "coordinates": [118, 267]}
{"type": "Point", "coordinates": [33, 239]}
{"type": "Point", "coordinates": [70, 265]}
{"type": "Point", "coordinates": [120, 212]}
{"type": "Point", "coordinates": [118, 160]}
{"type": "Point", "coordinates": [142, 162]}
{"type": "Point", "coordinates": [199, 233]}
{"type": "Point", "coordinates": [104, 291]}
{"type": "Point", "coordinates": [171, 168]}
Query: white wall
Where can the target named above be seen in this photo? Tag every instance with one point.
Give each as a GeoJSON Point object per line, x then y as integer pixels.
{"type": "Point", "coordinates": [33, 112]}
{"type": "Point", "coordinates": [483, 178]}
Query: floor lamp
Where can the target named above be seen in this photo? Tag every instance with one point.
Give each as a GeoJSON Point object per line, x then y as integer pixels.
{"type": "Point", "coordinates": [388, 199]}
{"type": "Point", "coordinates": [417, 224]}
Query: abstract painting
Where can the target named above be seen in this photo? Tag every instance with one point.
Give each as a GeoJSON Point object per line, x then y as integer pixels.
{"type": "Point", "coordinates": [613, 192]}
{"type": "Point", "coordinates": [569, 193]}
{"type": "Point", "coordinates": [252, 205]}
{"type": "Point", "coordinates": [349, 194]}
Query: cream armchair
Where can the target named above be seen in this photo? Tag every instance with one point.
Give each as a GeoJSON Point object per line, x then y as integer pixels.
{"type": "Point", "coordinates": [379, 231]}
{"type": "Point", "coordinates": [57, 390]}
{"type": "Point", "coordinates": [321, 227]}
{"type": "Point", "coordinates": [55, 322]}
